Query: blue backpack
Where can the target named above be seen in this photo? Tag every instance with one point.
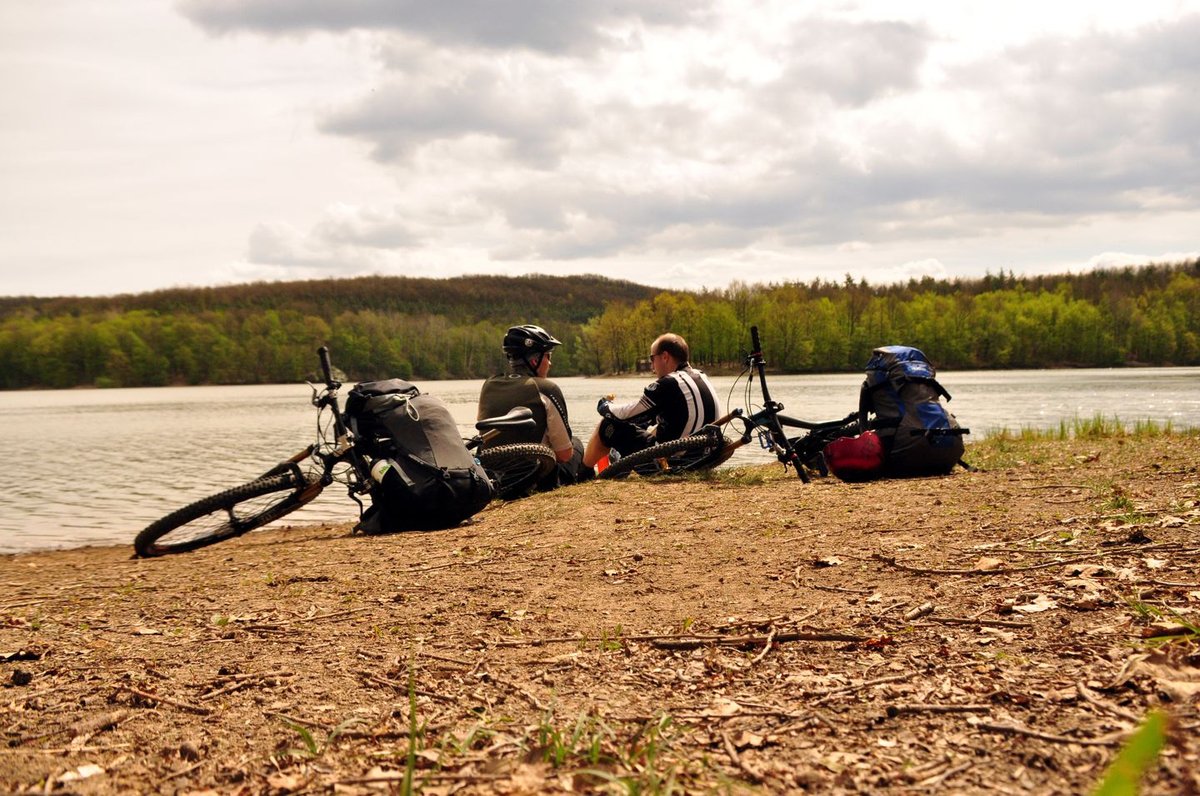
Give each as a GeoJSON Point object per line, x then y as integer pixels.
{"type": "Point", "coordinates": [919, 435]}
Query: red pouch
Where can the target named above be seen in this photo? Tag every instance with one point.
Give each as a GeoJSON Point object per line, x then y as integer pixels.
{"type": "Point", "coordinates": [855, 458]}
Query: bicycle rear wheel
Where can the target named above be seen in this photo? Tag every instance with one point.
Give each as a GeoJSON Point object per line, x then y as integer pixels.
{"type": "Point", "coordinates": [700, 451]}
{"type": "Point", "coordinates": [224, 515]}
{"type": "Point", "coordinates": [516, 469]}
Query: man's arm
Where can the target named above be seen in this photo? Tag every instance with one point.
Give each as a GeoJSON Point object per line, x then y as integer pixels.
{"type": "Point", "coordinates": [558, 435]}
{"type": "Point", "coordinates": [642, 406]}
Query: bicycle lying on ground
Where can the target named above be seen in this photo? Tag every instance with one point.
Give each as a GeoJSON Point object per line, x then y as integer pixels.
{"type": "Point", "coordinates": [335, 456]}
{"type": "Point", "coordinates": [710, 446]}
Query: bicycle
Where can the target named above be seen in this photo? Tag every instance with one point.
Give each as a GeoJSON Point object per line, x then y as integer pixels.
{"type": "Point", "coordinates": [335, 456]}
{"type": "Point", "coordinates": [710, 447]}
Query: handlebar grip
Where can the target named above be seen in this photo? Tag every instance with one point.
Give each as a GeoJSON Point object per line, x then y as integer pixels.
{"type": "Point", "coordinates": [755, 343]}
{"type": "Point", "coordinates": [326, 367]}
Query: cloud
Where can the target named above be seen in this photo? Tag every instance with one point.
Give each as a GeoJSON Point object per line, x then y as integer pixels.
{"type": "Point", "coordinates": [347, 240]}
{"type": "Point", "coordinates": [401, 115]}
{"type": "Point", "coordinates": [851, 63]}
{"type": "Point", "coordinates": [513, 140]}
{"type": "Point", "coordinates": [548, 26]}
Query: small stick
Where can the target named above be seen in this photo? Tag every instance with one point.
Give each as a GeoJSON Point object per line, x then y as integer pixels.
{"type": "Point", "coordinates": [1091, 698]}
{"type": "Point", "coordinates": [828, 694]}
{"type": "Point", "coordinates": [175, 774]}
{"type": "Point", "coordinates": [254, 676]}
{"type": "Point", "coordinates": [424, 776]}
{"type": "Point", "coordinates": [227, 690]}
{"type": "Point", "coordinates": [374, 678]}
{"type": "Point", "coordinates": [692, 642]}
{"type": "Point", "coordinates": [766, 647]}
{"type": "Point", "coordinates": [528, 696]}
{"type": "Point", "coordinates": [923, 609]}
{"type": "Point", "coordinates": [681, 642]}
{"type": "Point", "coordinates": [951, 620]}
{"type": "Point", "coordinates": [165, 700]}
{"type": "Point", "coordinates": [293, 720]}
{"type": "Point", "coordinates": [1006, 570]}
{"type": "Point", "coordinates": [1015, 729]}
{"type": "Point", "coordinates": [446, 658]}
{"type": "Point", "coordinates": [737, 759]}
{"type": "Point", "coordinates": [919, 707]}
{"type": "Point", "coordinates": [316, 617]}
{"type": "Point", "coordinates": [940, 778]}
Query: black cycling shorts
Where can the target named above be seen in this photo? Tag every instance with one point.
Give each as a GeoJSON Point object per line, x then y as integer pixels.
{"type": "Point", "coordinates": [625, 438]}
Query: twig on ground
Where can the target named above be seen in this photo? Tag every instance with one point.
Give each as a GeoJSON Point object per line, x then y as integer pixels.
{"type": "Point", "coordinates": [737, 759]}
{"type": "Point", "coordinates": [1003, 570]}
{"type": "Point", "coordinates": [693, 642]}
{"type": "Point", "coordinates": [423, 776]}
{"type": "Point", "coordinates": [294, 720]}
{"type": "Point", "coordinates": [399, 686]}
{"type": "Point", "coordinates": [670, 641]}
{"type": "Point", "coordinates": [530, 698]}
{"type": "Point", "coordinates": [1092, 699]}
{"type": "Point", "coordinates": [241, 681]}
{"type": "Point", "coordinates": [924, 609]}
{"type": "Point", "coordinates": [766, 647]}
{"type": "Point", "coordinates": [175, 774]}
{"type": "Point", "coordinates": [1016, 729]}
{"type": "Point", "coordinates": [952, 620]}
{"type": "Point", "coordinates": [942, 777]}
{"type": "Point", "coordinates": [919, 707]}
{"type": "Point", "coordinates": [203, 711]}
{"type": "Point", "coordinates": [446, 658]}
{"type": "Point", "coordinates": [829, 693]}
{"type": "Point", "coordinates": [84, 727]}
{"type": "Point", "coordinates": [838, 589]}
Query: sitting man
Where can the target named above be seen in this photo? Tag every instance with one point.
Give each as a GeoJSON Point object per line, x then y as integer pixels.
{"type": "Point", "coordinates": [679, 403]}
{"type": "Point", "coordinates": [529, 349]}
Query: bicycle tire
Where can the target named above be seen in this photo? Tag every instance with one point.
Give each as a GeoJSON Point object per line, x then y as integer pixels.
{"type": "Point", "coordinates": [516, 469]}
{"type": "Point", "coordinates": [708, 449]}
{"type": "Point", "coordinates": [223, 515]}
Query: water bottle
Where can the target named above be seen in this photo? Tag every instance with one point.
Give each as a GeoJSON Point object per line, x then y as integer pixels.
{"type": "Point", "coordinates": [380, 469]}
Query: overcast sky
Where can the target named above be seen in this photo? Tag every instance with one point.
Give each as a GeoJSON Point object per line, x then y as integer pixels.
{"type": "Point", "coordinates": [148, 144]}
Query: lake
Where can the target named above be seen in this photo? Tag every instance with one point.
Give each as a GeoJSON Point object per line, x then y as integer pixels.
{"type": "Point", "coordinates": [96, 466]}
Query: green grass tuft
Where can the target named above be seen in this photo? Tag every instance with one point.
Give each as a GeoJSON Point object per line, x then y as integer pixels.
{"type": "Point", "coordinates": [1139, 754]}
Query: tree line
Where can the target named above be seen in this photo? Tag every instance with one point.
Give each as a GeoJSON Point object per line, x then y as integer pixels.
{"type": "Point", "coordinates": [432, 329]}
{"type": "Point", "coordinates": [1144, 316]}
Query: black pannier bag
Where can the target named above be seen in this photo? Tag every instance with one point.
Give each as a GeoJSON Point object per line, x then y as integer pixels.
{"type": "Point", "coordinates": [424, 476]}
{"type": "Point", "coordinates": [919, 435]}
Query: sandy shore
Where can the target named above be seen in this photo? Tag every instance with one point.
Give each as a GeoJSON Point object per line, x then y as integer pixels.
{"type": "Point", "coordinates": [980, 633]}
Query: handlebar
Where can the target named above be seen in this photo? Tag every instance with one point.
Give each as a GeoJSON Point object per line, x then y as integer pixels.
{"type": "Point", "coordinates": [755, 343]}
{"type": "Point", "coordinates": [326, 366]}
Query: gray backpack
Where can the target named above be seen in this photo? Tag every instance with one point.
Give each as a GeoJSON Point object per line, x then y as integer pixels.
{"type": "Point", "coordinates": [425, 478]}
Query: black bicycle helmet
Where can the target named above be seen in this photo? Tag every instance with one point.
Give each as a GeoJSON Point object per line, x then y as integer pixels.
{"type": "Point", "coordinates": [527, 340]}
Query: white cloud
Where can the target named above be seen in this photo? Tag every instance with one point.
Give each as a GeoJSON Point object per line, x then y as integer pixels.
{"type": "Point", "coordinates": [656, 141]}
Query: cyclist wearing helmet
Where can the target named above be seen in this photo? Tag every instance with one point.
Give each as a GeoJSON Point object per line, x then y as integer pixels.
{"type": "Point", "coordinates": [679, 403]}
{"type": "Point", "coordinates": [529, 350]}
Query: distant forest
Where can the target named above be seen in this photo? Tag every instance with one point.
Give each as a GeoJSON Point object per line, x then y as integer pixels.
{"type": "Point", "coordinates": [451, 328]}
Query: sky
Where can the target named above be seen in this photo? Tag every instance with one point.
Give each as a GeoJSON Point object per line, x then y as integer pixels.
{"type": "Point", "coordinates": [147, 144]}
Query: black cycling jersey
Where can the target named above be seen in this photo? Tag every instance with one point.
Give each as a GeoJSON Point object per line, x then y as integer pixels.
{"type": "Point", "coordinates": [681, 403]}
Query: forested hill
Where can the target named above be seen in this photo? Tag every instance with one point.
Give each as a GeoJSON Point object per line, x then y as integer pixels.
{"type": "Point", "coordinates": [267, 332]}
{"type": "Point", "coordinates": [570, 299]}
{"type": "Point", "coordinates": [380, 327]}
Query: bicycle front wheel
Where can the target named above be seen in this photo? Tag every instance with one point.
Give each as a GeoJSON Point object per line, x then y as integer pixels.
{"type": "Point", "coordinates": [697, 452]}
{"type": "Point", "coordinates": [225, 515]}
{"type": "Point", "coordinates": [516, 469]}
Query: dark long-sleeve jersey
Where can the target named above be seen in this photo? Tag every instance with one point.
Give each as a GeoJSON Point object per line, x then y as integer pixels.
{"type": "Point", "coordinates": [681, 403]}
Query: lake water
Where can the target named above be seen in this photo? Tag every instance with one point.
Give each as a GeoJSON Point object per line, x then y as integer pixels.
{"type": "Point", "coordinates": [96, 466]}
